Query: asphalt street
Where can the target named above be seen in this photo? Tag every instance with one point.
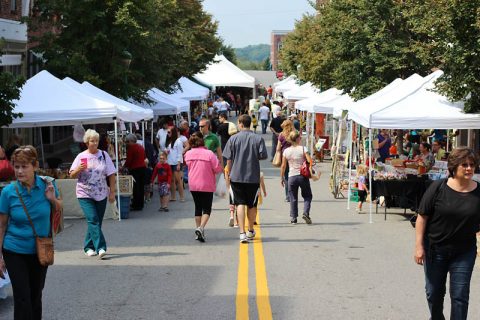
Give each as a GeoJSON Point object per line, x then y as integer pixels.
{"type": "Point", "coordinates": [340, 267]}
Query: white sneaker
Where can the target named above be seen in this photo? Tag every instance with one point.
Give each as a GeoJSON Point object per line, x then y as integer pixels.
{"type": "Point", "coordinates": [243, 238]}
{"type": "Point", "coordinates": [200, 234]}
{"type": "Point", "coordinates": [90, 253]}
{"type": "Point", "coordinates": [250, 234]}
{"type": "Point", "coordinates": [102, 253]}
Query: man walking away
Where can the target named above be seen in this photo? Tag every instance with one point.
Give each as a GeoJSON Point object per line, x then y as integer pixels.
{"type": "Point", "coordinates": [264, 113]}
{"type": "Point", "coordinates": [243, 152]}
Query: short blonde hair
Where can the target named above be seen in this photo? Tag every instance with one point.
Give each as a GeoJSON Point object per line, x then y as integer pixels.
{"type": "Point", "coordinates": [361, 169]}
{"type": "Point", "coordinates": [89, 134]}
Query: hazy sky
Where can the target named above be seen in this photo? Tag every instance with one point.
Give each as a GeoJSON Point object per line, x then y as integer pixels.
{"type": "Point", "coordinates": [244, 22]}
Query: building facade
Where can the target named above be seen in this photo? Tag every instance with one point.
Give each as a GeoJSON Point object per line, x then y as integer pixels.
{"type": "Point", "coordinates": [277, 38]}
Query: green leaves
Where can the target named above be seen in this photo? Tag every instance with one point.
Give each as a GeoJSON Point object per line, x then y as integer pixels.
{"type": "Point", "coordinates": [10, 87]}
{"type": "Point", "coordinates": [360, 46]}
{"type": "Point", "coordinates": [166, 38]}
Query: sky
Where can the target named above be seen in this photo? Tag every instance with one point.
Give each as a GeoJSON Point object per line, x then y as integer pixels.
{"type": "Point", "coordinates": [248, 22]}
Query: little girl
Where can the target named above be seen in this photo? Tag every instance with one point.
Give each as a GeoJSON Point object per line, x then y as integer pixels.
{"type": "Point", "coordinates": [164, 172]}
{"type": "Point", "coordinates": [254, 123]}
{"type": "Point", "coordinates": [362, 186]}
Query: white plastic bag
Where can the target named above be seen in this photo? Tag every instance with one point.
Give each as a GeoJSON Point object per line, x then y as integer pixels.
{"type": "Point", "coordinates": [221, 190]}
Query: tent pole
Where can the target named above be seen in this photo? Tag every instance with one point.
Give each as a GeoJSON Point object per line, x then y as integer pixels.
{"type": "Point", "coordinates": [43, 149]}
{"type": "Point", "coordinates": [143, 132]}
{"type": "Point", "coordinates": [370, 171]}
{"type": "Point", "coordinates": [312, 133]}
{"type": "Point", "coordinates": [151, 136]}
{"type": "Point", "coordinates": [350, 150]}
{"type": "Point", "coordinates": [448, 139]}
{"type": "Point", "coordinates": [118, 170]}
{"type": "Point", "coordinates": [131, 127]}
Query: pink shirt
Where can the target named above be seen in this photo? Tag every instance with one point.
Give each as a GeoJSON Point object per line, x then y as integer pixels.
{"type": "Point", "coordinates": [92, 182]}
{"type": "Point", "coordinates": [202, 166]}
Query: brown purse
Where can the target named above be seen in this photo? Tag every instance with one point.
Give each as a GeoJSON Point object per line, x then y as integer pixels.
{"type": "Point", "coordinates": [44, 244]}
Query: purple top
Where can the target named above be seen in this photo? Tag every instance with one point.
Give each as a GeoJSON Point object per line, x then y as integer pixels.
{"type": "Point", "coordinates": [92, 182]}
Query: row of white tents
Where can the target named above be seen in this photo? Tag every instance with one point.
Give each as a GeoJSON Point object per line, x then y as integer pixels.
{"type": "Point", "coordinates": [411, 103]}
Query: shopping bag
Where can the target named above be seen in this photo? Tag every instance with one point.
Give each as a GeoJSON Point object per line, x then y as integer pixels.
{"type": "Point", "coordinates": [277, 159]}
{"type": "Point", "coordinates": [221, 189]}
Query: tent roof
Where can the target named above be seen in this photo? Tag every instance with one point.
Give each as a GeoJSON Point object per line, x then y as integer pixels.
{"type": "Point", "coordinates": [305, 91]}
{"type": "Point", "coordinates": [286, 85]}
{"type": "Point", "coordinates": [163, 104]}
{"type": "Point", "coordinates": [223, 73]}
{"type": "Point", "coordinates": [425, 109]}
{"type": "Point", "coordinates": [396, 91]}
{"type": "Point", "coordinates": [190, 90]}
{"type": "Point", "coordinates": [319, 100]}
{"type": "Point", "coordinates": [47, 101]}
{"type": "Point", "coordinates": [92, 91]}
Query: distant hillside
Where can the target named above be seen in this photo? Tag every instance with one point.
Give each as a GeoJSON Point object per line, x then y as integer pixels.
{"type": "Point", "coordinates": [254, 53]}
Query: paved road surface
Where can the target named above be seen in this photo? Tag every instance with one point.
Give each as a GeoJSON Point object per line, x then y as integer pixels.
{"type": "Point", "coordinates": [341, 267]}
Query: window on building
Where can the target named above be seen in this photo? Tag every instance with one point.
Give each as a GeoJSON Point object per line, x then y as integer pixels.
{"type": "Point", "coordinates": [13, 5]}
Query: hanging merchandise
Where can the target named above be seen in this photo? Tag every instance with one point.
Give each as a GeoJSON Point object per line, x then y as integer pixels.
{"type": "Point", "coordinates": [78, 133]}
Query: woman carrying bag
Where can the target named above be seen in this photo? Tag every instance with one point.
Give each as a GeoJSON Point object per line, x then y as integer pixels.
{"type": "Point", "coordinates": [295, 156]}
{"type": "Point", "coordinates": [18, 226]}
{"type": "Point", "coordinates": [447, 223]}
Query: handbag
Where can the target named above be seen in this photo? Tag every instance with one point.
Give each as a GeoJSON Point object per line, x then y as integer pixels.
{"type": "Point", "coordinates": [277, 159]}
{"type": "Point", "coordinates": [56, 215]}
{"type": "Point", "coordinates": [44, 244]}
{"type": "Point", "coordinates": [306, 168]}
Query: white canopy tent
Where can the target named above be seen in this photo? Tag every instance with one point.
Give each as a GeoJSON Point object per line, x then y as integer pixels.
{"type": "Point", "coordinates": [48, 101]}
{"type": "Point", "coordinates": [305, 91]}
{"type": "Point", "coordinates": [287, 79]}
{"type": "Point", "coordinates": [92, 91]}
{"type": "Point", "coordinates": [223, 73]}
{"type": "Point", "coordinates": [287, 85]}
{"type": "Point", "coordinates": [181, 104]}
{"type": "Point", "coordinates": [320, 102]}
{"type": "Point", "coordinates": [190, 90]}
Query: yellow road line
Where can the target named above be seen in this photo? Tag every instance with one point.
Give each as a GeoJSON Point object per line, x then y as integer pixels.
{"type": "Point", "coordinates": [263, 294]}
{"type": "Point", "coordinates": [242, 284]}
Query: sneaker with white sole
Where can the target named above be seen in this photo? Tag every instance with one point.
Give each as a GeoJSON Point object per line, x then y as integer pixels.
{"type": "Point", "coordinates": [102, 253]}
{"type": "Point", "coordinates": [200, 234]}
{"type": "Point", "coordinates": [307, 219]}
{"type": "Point", "coordinates": [250, 234]}
{"type": "Point", "coordinates": [90, 253]}
{"type": "Point", "coordinates": [293, 221]}
{"type": "Point", "coordinates": [243, 238]}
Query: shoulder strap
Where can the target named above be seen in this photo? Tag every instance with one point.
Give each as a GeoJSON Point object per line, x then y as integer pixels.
{"type": "Point", "coordinates": [26, 211]}
{"type": "Point", "coordinates": [104, 158]}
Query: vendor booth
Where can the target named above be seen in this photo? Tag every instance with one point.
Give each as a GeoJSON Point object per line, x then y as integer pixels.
{"type": "Point", "coordinates": [222, 73]}
{"type": "Point", "coordinates": [190, 90]}
{"type": "Point", "coordinates": [412, 104]}
{"type": "Point", "coordinates": [48, 101]}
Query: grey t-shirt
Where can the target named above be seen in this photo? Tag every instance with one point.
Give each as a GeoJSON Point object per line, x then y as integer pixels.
{"type": "Point", "coordinates": [245, 149]}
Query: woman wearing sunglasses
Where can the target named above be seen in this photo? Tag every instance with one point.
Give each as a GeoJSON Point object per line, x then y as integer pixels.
{"type": "Point", "coordinates": [446, 228]}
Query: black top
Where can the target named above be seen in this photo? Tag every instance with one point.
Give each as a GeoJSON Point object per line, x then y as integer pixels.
{"type": "Point", "coordinates": [222, 131]}
{"type": "Point", "coordinates": [276, 124]}
{"type": "Point", "coordinates": [454, 217]}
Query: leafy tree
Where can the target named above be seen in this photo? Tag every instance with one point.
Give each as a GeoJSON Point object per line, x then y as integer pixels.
{"type": "Point", "coordinates": [267, 65]}
{"type": "Point", "coordinates": [167, 39]}
{"type": "Point", "coordinates": [229, 53]}
{"type": "Point", "coordinates": [455, 39]}
{"type": "Point", "coordinates": [10, 87]}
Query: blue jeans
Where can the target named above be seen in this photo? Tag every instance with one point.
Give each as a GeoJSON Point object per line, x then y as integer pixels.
{"type": "Point", "coordinates": [438, 263]}
{"type": "Point", "coordinates": [303, 183]}
{"type": "Point", "coordinates": [264, 126]}
{"type": "Point", "coordinates": [94, 212]}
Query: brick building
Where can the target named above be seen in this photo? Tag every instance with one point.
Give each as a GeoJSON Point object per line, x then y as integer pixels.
{"type": "Point", "coordinates": [275, 46]}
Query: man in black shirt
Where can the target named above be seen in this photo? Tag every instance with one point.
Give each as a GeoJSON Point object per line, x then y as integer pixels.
{"type": "Point", "coordinates": [276, 128]}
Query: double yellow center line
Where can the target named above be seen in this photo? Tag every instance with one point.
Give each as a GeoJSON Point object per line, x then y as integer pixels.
{"type": "Point", "coordinates": [263, 295]}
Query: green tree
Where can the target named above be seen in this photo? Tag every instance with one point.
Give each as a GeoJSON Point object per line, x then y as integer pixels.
{"type": "Point", "coordinates": [267, 65]}
{"type": "Point", "coordinates": [167, 39]}
{"type": "Point", "coordinates": [10, 87]}
{"type": "Point", "coordinates": [229, 53]}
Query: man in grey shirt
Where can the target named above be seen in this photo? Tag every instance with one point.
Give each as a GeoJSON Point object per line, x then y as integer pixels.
{"type": "Point", "coordinates": [243, 152]}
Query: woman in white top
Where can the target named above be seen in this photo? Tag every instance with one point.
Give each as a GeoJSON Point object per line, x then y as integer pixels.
{"type": "Point", "coordinates": [295, 155]}
{"type": "Point", "coordinates": [174, 146]}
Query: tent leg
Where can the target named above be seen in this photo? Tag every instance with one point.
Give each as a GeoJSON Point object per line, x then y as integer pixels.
{"type": "Point", "coordinates": [151, 136]}
{"type": "Point", "coordinates": [143, 132]}
{"type": "Point", "coordinates": [370, 171]}
{"type": "Point", "coordinates": [349, 132]}
{"type": "Point", "coordinates": [118, 171]}
{"type": "Point", "coordinates": [41, 144]}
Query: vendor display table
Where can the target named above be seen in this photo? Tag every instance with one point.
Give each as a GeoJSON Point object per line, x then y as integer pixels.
{"type": "Point", "coordinates": [405, 194]}
{"type": "Point", "coordinates": [71, 207]}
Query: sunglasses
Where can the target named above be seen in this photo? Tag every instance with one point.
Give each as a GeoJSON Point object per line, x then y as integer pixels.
{"type": "Point", "coordinates": [466, 165]}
